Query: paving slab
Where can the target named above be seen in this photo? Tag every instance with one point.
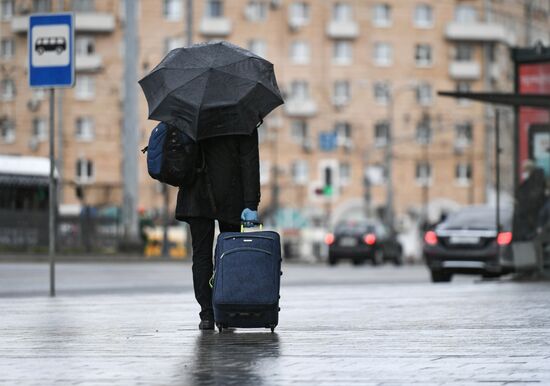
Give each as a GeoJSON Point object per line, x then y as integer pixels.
{"type": "Point", "coordinates": [385, 333]}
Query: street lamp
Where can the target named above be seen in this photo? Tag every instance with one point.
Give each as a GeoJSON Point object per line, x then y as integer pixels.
{"type": "Point", "coordinates": [388, 154]}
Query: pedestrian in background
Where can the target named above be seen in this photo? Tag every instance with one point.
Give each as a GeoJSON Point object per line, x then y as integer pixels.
{"type": "Point", "coordinates": [227, 191]}
{"type": "Point", "coordinates": [529, 202]}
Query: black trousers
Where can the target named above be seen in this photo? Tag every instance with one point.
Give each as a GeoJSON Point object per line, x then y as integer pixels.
{"type": "Point", "coordinates": [202, 239]}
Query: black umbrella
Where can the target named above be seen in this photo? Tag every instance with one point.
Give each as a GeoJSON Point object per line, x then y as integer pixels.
{"type": "Point", "coordinates": [211, 89]}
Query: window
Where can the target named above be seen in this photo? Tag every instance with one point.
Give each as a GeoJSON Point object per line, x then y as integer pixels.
{"type": "Point", "coordinates": [465, 14]}
{"type": "Point", "coordinates": [423, 55]}
{"type": "Point", "coordinates": [83, 5]}
{"type": "Point", "coordinates": [172, 9]}
{"type": "Point", "coordinates": [464, 52]}
{"type": "Point", "coordinates": [342, 12]}
{"type": "Point", "coordinates": [382, 54]}
{"type": "Point", "coordinates": [7, 89]}
{"type": "Point", "coordinates": [299, 89]}
{"type": "Point", "coordinates": [381, 130]}
{"type": "Point", "coordinates": [6, 10]}
{"type": "Point", "coordinates": [341, 92]}
{"type": "Point", "coordinates": [84, 45]}
{"type": "Point", "coordinates": [84, 87]}
{"type": "Point", "coordinates": [343, 134]}
{"type": "Point", "coordinates": [344, 169]}
{"type": "Point", "coordinates": [84, 171]}
{"type": "Point", "coordinates": [299, 52]}
{"type": "Point", "coordinates": [424, 94]}
{"type": "Point", "coordinates": [256, 10]}
{"type": "Point", "coordinates": [7, 48]}
{"type": "Point", "coordinates": [463, 173]}
{"type": "Point", "coordinates": [300, 172]}
{"type": "Point", "coordinates": [381, 92]}
{"type": "Point", "coordinates": [172, 43]}
{"type": "Point", "coordinates": [299, 131]}
{"type": "Point", "coordinates": [39, 129]}
{"type": "Point", "coordinates": [342, 52]}
{"type": "Point", "coordinates": [376, 174]}
{"type": "Point", "coordinates": [463, 134]}
{"type": "Point", "coordinates": [423, 173]}
{"type": "Point", "coordinates": [41, 6]}
{"type": "Point", "coordinates": [38, 94]}
{"type": "Point", "coordinates": [84, 130]}
{"type": "Point", "coordinates": [463, 86]}
{"type": "Point", "coordinates": [265, 171]}
{"type": "Point", "coordinates": [424, 132]}
{"type": "Point", "coordinates": [299, 14]}
{"type": "Point", "coordinates": [381, 16]}
{"type": "Point", "coordinates": [214, 9]}
{"type": "Point", "coordinates": [7, 130]}
{"type": "Point", "coordinates": [258, 46]}
{"type": "Point", "coordinates": [423, 16]}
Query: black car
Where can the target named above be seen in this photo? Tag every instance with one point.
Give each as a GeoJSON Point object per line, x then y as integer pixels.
{"type": "Point", "coordinates": [467, 242]}
{"type": "Point", "coordinates": [363, 240]}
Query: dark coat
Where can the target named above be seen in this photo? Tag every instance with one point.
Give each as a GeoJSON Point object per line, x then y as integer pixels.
{"type": "Point", "coordinates": [233, 173]}
{"type": "Point", "coordinates": [529, 202]}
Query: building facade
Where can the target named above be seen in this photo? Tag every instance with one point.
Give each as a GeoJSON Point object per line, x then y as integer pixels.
{"type": "Point", "coordinates": [360, 80]}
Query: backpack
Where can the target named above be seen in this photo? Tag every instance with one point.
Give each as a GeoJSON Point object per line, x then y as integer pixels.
{"type": "Point", "coordinates": [172, 156]}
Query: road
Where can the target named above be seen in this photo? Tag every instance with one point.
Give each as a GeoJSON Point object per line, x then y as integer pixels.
{"type": "Point", "coordinates": [32, 279]}
{"type": "Point", "coordinates": [129, 324]}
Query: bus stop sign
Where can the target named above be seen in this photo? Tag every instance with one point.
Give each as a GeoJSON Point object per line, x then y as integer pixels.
{"type": "Point", "coordinates": [51, 50]}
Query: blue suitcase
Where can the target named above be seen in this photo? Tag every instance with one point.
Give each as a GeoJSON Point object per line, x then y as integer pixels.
{"type": "Point", "coordinates": [247, 280]}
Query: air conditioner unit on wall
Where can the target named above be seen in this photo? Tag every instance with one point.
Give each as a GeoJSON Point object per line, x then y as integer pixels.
{"type": "Point", "coordinates": [340, 101]}
{"type": "Point", "coordinates": [275, 4]}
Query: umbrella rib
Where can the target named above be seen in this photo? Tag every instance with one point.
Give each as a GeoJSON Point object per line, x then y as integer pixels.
{"type": "Point", "coordinates": [177, 88]}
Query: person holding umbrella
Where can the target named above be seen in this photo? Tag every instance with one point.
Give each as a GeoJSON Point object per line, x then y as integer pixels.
{"type": "Point", "coordinates": [217, 94]}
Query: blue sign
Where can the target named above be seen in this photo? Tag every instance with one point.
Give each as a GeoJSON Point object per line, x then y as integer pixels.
{"type": "Point", "coordinates": [51, 50]}
{"type": "Point", "coordinates": [327, 141]}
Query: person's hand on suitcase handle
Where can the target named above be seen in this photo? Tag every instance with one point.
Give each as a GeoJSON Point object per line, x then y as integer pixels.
{"type": "Point", "coordinates": [249, 218]}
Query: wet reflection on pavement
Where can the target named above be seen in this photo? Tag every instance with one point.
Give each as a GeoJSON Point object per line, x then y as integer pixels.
{"type": "Point", "coordinates": [232, 358]}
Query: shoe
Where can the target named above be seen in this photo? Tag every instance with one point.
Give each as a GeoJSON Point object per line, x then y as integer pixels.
{"type": "Point", "coordinates": [207, 320]}
{"type": "Point", "coordinates": [206, 324]}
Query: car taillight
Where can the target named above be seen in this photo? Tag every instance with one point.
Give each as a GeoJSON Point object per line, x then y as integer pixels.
{"type": "Point", "coordinates": [329, 239]}
{"type": "Point", "coordinates": [430, 238]}
{"type": "Point", "coordinates": [370, 239]}
{"type": "Point", "coordinates": [504, 238]}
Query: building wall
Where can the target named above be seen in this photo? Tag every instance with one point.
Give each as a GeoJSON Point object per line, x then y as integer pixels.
{"type": "Point", "coordinates": [362, 112]}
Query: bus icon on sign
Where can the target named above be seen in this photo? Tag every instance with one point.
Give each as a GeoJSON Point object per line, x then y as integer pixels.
{"type": "Point", "coordinates": [57, 44]}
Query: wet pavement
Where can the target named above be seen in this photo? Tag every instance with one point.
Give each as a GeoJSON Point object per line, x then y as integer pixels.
{"type": "Point", "coordinates": [366, 326]}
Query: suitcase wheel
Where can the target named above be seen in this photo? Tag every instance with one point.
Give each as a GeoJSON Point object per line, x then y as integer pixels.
{"type": "Point", "coordinates": [272, 327]}
{"type": "Point", "coordinates": [220, 327]}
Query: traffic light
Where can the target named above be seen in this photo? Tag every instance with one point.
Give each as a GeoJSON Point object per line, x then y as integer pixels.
{"type": "Point", "coordinates": [327, 190]}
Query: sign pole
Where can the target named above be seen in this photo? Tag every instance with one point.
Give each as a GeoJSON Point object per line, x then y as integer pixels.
{"type": "Point", "coordinates": [51, 54]}
{"type": "Point", "coordinates": [52, 195]}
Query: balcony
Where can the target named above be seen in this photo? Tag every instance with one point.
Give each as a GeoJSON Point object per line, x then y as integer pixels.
{"type": "Point", "coordinates": [218, 26]}
{"type": "Point", "coordinates": [342, 30]}
{"type": "Point", "coordinates": [479, 31]}
{"type": "Point", "coordinates": [469, 70]}
{"type": "Point", "coordinates": [301, 107]}
{"type": "Point", "coordinates": [84, 22]}
{"type": "Point", "coordinates": [88, 62]}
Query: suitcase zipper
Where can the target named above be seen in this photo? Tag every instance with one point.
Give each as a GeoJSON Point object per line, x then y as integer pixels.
{"type": "Point", "coordinates": [234, 250]}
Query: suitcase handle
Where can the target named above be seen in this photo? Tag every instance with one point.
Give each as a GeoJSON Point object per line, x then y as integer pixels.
{"type": "Point", "coordinates": [260, 224]}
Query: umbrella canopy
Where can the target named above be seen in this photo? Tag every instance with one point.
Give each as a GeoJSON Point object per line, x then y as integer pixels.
{"type": "Point", "coordinates": [211, 89]}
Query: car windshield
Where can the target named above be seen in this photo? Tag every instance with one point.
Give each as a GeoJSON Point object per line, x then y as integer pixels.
{"type": "Point", "coordinates": [477, 218]}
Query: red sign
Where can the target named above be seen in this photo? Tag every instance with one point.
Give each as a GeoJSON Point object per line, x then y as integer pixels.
{"type": "Point", "coordinates": [534, 129]}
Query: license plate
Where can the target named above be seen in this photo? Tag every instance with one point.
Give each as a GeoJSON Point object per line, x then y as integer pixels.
{"type": "Point", "coordinates": [348, 242]}
{"type": "Point", "coordinates": [464, 240]}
